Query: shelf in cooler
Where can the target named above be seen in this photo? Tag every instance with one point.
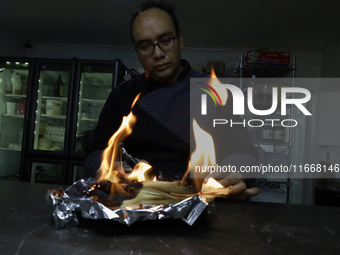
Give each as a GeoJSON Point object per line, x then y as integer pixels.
{"type": "Point", "coordinates": [97, 86]}
{"type": "Point", "coordinates": [61, 117]}
{"type": "Point", "coordinates": [95, 101]}
{"type": "Point", "coordinates": [63, 99]}
{"type": "Point", "coordinates": [14, 116]}
{"type": "Point", "coordinates": [15, 96]}
{"type": "Point", "coordinates": [90, 120]}
{"type": "Point", "coordinates": [9, 149]}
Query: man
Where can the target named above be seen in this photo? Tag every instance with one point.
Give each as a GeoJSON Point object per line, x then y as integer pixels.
{"type": "Point", "coordinates": [162, 129]}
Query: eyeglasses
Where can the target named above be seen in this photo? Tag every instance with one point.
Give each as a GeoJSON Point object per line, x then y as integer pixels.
{"type": "Point", "coordinates": [147, 48]}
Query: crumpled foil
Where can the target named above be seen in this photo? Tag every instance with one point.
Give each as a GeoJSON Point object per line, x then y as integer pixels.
{"type": "Point", "coordinates": [74, 200]}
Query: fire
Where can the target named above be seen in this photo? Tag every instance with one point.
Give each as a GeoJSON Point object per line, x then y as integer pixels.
{"type": "Point", "coordinates": [204, 154]}
{"type": "Point", "coordinates": [108, 169]}
{"type": "Point", "coordinates": [139, 172]}
{"type": "Point", "coordinates": [211, 184]}
{"type": "Point", "coordinates": [222, 92]}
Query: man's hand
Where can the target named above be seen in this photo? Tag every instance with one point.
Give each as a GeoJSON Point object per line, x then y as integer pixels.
{"type": "Point", "coordinates": [238, 188]}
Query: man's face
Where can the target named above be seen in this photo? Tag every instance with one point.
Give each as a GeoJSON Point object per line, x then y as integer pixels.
{"type": "Point", "coordinates": [151, 26]}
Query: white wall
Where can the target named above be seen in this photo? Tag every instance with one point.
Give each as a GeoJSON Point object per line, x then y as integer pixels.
{"type": "Point", "coordinates": [330, 65]}
{"type": "Point", "coordinates": [308, 63]}
{"type": "Point", "coordinates": [317, 148]}
{"type": "Point", "coordinates": [11, 46]}
{"type": "Point", "coordinates": [97, 52]}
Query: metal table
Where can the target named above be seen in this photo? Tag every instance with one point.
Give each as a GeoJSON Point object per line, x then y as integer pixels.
{"type": "Point", "coordinates": [27, 227]}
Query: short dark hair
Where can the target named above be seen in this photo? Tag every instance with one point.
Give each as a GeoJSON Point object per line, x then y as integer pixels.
{"type": "Point", "coordinates": [165, 6]}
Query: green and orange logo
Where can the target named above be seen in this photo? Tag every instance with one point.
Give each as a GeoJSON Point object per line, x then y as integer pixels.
{"type": "Point", "coordinates": [210, 94]}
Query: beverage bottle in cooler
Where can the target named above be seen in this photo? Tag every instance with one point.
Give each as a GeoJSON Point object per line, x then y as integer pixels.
{"type": "Point", "coordinates": [8, 87]}
{"type": "Point", "coordinates": [21, 106]}
{"type": "Point", "coordinates": [59, 86]}
{"type": "Point", "coordinates": [16, 84]}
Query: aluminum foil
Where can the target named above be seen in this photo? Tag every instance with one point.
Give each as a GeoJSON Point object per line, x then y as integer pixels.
{"type": "Point", "coordinates": [74, 199]}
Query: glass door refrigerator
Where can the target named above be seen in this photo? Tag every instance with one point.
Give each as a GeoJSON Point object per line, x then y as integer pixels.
{"type": "Point", "coordinates": [15, 80]}
{"type": "Point", "coordinates": [94, 82]}
{"type": "Point", "coordinates": [67, 98]}
{"type": "Point", "coordinates": [49, 126]}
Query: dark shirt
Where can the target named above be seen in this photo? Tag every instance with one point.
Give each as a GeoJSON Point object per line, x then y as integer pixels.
{"type": "Point", "coordinates": [161, 134]}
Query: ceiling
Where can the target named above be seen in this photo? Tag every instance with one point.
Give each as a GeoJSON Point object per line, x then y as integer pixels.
{"type": "Point", "coordinates": [244, 24]}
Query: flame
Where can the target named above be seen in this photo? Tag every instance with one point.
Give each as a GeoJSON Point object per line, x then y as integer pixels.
{"type": "Point", "coordinates": [154, 179]}
{"type": "Point", "coordinates": [139, 172]}
{"type": "Point", "coordinates": [211, 184]}
{"type": "Point", "coordinates": [147, 74]}
{"type": "Point", "coordinates": [222, 92]}
{"type": "Point", "coordinates": [108, 170]}
{"type": "Point", "coordinates": [204, 154]}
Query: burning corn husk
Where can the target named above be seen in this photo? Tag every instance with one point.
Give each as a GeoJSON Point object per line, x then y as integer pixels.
{"type": "Point", "coordinates": [151, 196]}
{"type": "Point", "coordinates": [165, 193]}
{"type": "Point", "coordinates": [169, 187]}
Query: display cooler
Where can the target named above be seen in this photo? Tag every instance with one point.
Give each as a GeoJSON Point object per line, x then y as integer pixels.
{"type": "Point", "coordinates": [15, 87]}
{"type": "Point", "coordinates": [49, 109]}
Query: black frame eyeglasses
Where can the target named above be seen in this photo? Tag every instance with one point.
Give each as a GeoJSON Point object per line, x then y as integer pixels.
{"type": "Point", "coordinates": [148, 48]}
